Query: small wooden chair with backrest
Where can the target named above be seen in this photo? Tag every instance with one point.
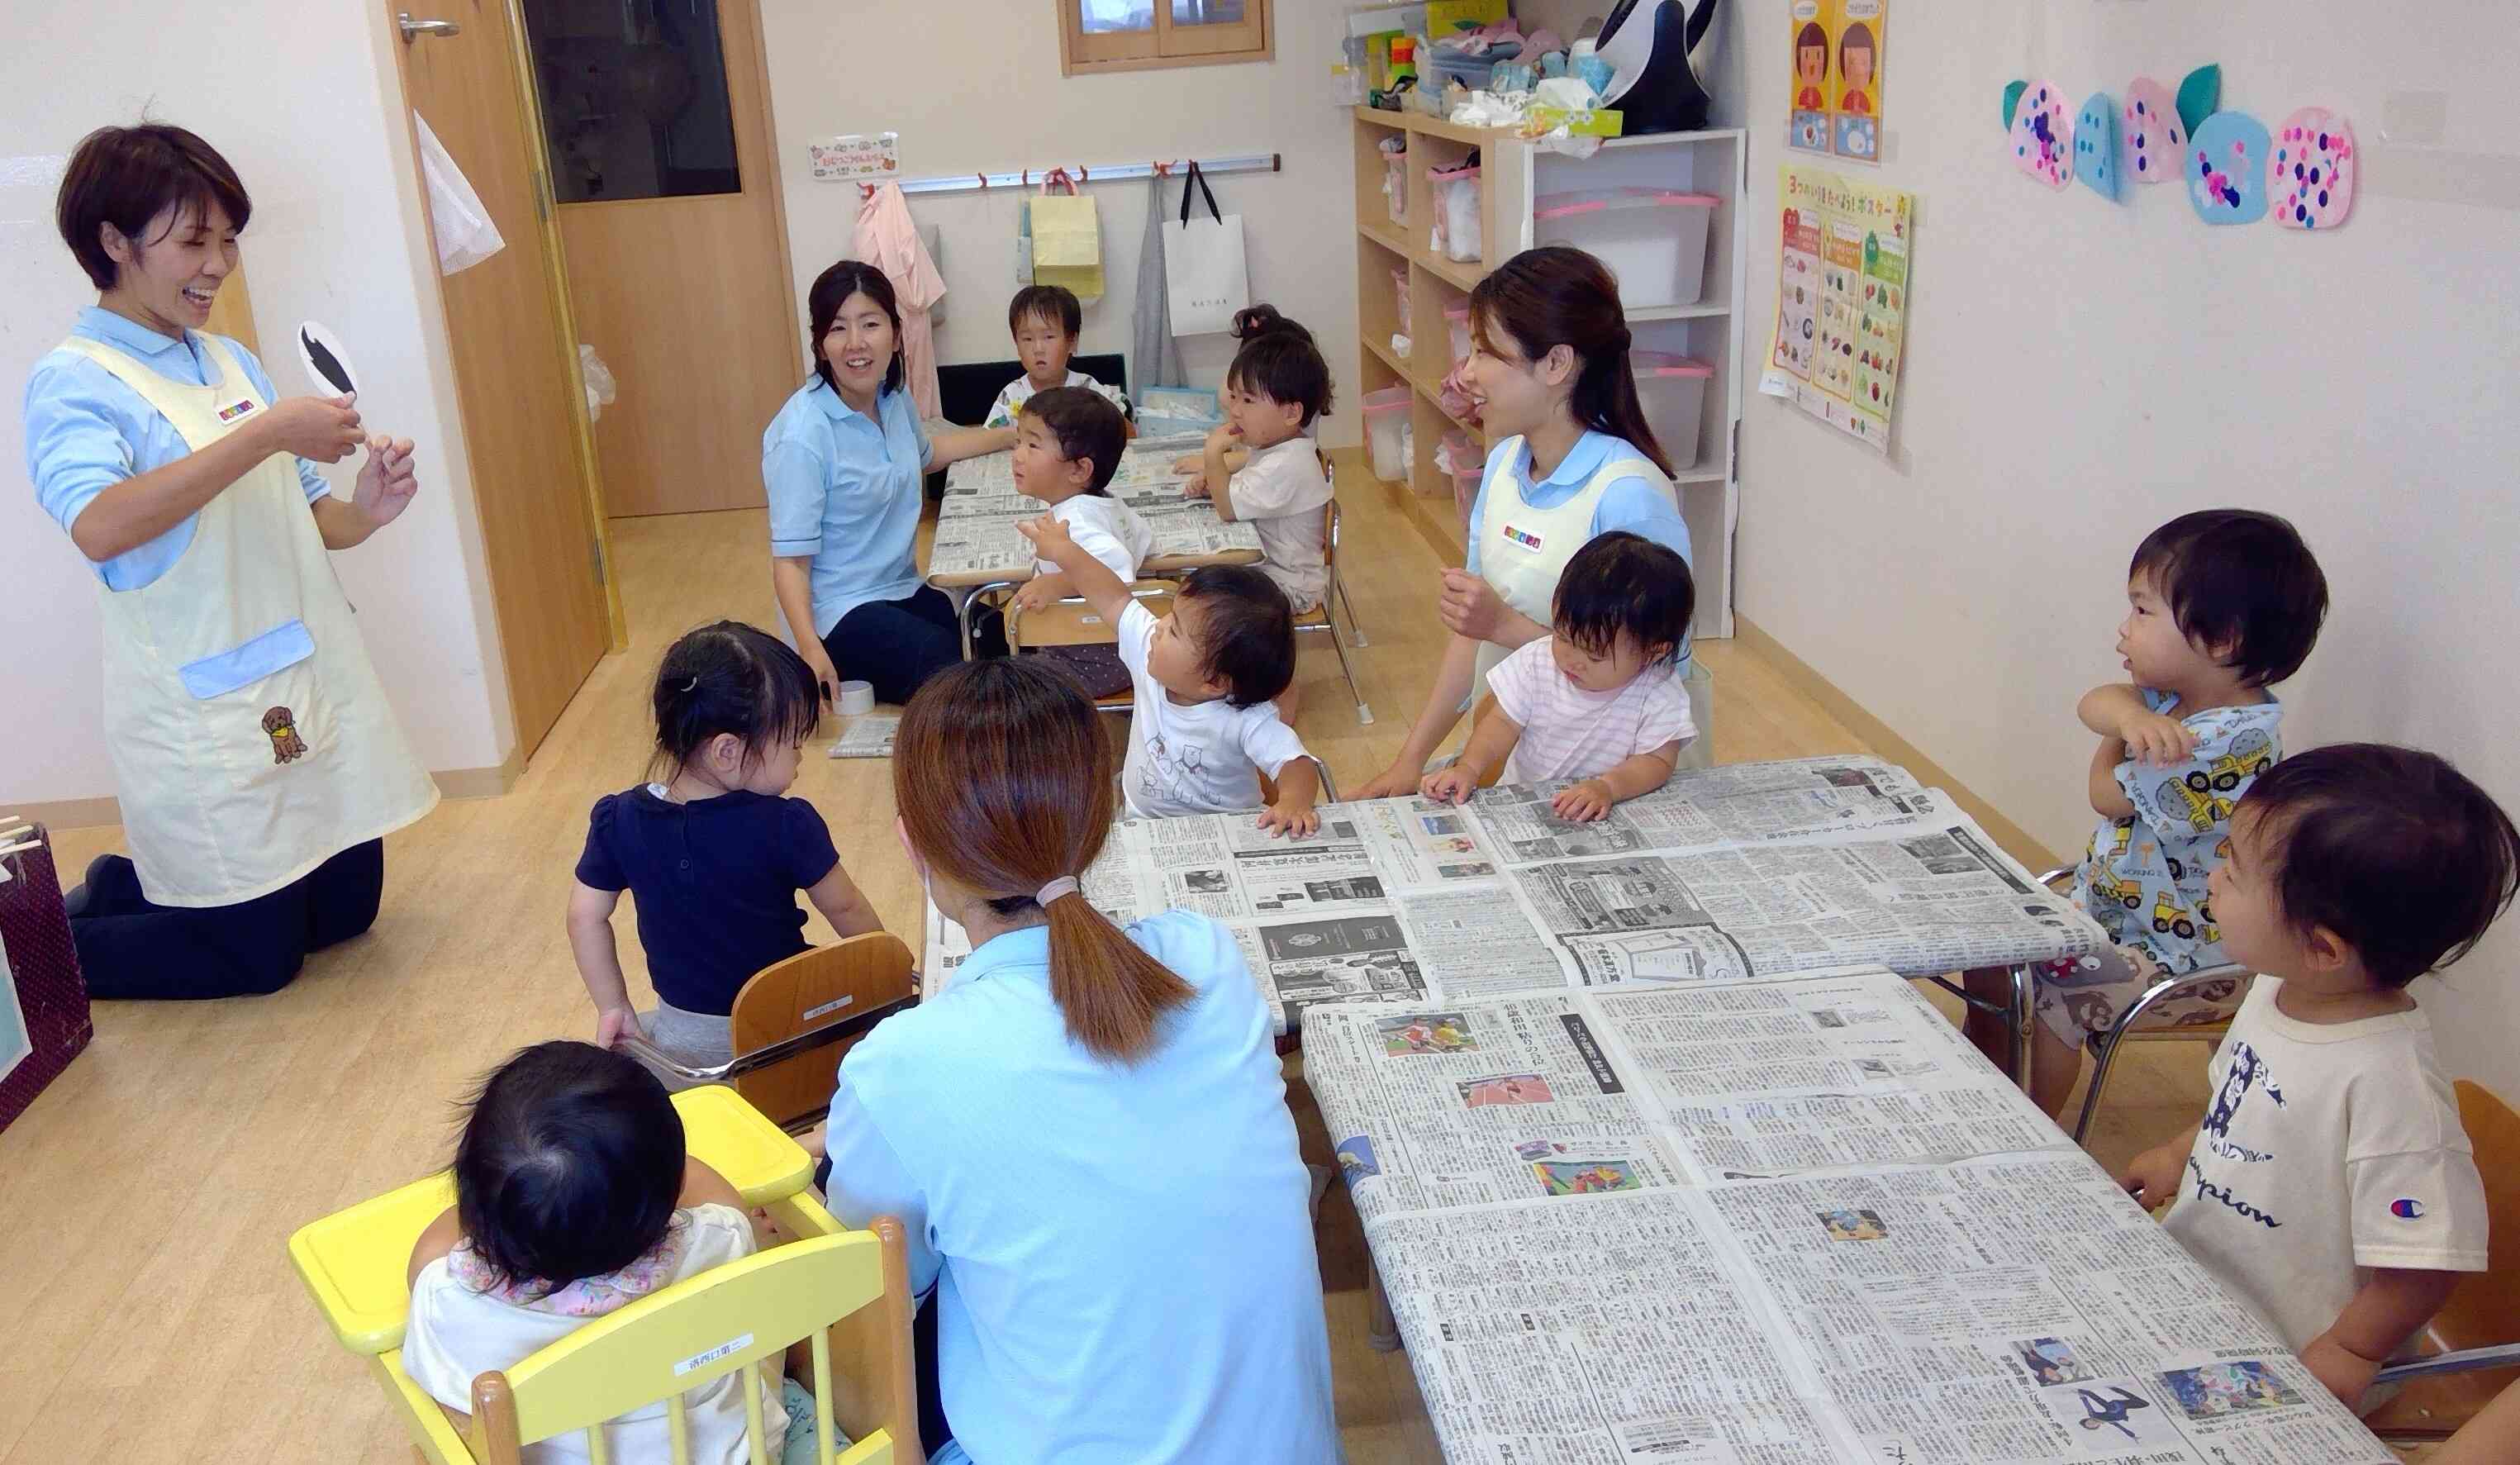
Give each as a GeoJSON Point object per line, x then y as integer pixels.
{"type": "Point", "coordinates": [731, 1317]}
{"type": "Point", "coordinates": [860, 976]}
{"type": "Point", "coordinates": [1322, 619]}
{"type": "Point", "coordinates": [1074, 623]}
{"type": "Point", "coordinates": [2471, 1349]}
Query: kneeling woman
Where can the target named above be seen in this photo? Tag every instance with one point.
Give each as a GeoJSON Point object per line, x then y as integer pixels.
{"type": "Point", "coordinates": [1084, 1133]}
{"type": "Point", "coordinates": [258, 764]}
{"type": "Point", "coordinates": [843, 463]}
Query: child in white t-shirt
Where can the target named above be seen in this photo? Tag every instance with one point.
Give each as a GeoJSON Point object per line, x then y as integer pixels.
{"type": "Point", "coordinates": [2330, 1183]}
{"type": "Point", "coordinates": [573, 1199]}
{"type": "Point", "coordinates": [1277, 388]}
{"type": "Point", "coordinates": [1599, 702]}
{"type": "Point", "coordinates": [1044, 320]}
{"type": "Point", "coordinates": [1067, 447]}
{"type": "Point", "coordinates": [1203, 728]}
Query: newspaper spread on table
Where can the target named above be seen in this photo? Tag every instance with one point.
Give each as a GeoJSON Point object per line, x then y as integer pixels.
{"type": "Point", "coordinates": [1776, 1221]}
{"type": "Point", "coordinates": [1723, 872]}
{"type": "Point", "coordinates": [976, 523]}
{"type": "Point", "coordinates": [866, 735]}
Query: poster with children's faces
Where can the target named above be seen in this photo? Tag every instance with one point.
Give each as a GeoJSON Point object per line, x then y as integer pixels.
{"type": "Point", "coordinates": [1841, 301]}
{"type": "Point", "coordinates": [1836, 48]}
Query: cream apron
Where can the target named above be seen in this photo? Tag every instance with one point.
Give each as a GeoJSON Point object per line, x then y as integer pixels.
{"type": "Point", "coordinates": [1523, 550]}
{"type": "Point", "coordinates": [251, 738]}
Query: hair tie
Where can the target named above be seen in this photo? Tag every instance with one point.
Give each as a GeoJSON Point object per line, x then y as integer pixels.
{"type": "Point", "coordinates": [693, 685]}
{"type": "Point", "coordinates": [1065, 885]}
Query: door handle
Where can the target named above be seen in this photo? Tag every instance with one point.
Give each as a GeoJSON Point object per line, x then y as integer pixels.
{"type": "Point", "coordinates": [413, 30]}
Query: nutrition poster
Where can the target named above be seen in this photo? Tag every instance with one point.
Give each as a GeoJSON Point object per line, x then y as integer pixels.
{"type": "Point", "coordinates": [1841, 301]}
{"type": "Point", "coordinates": [1835, 47]}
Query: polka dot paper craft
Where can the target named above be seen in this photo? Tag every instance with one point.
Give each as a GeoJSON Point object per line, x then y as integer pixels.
{"type": "Point", "coordinates": [2153, 135]}
{"type": "Point", "coordinates": [2041, 133]}
{"type": "Point", "coordinates": [2311, 171]}
{"type": "Point", "coordinates": [2096, 146]}
{"type": "Point", "coordinates": [2226, 168]}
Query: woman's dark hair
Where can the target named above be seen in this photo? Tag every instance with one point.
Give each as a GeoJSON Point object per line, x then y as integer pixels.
{"type": "Point", "coordinates": [732, 678]}
{"type": "Point", "coordinates": [2395, 851]}
{"type": "Point", "coordinates": [1246, 637]}
{"type": "Point", "coordinates": [2240, 578]}
{"type": "Point", "coordinates": [1621, 582]}
{"type": "Point", "coordinates": [1279, 361]}
{"type": "Point", "coordinates": [832, 289]}
{"type": "Point", "coordinates": [1056, 303]}
{"type": "Point", "coordinates": [1003, 782]}
{"type": "Point", "coordinates": [1557, 295]}
{"type": "Point", "coordinates": [1085, 425]}
{"type": "Point", "coordinates": [126, 176]}
{"type": "Point", "coordinates": [568, 1166]}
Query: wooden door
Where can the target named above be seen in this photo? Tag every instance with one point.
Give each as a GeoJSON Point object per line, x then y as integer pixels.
{"type": "Point", "coordinates": [516, 366]}
{"type": "Point", "coordinates": [657, 113]}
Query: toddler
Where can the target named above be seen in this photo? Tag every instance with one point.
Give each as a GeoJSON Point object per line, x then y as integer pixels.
{"type": "Point", "coordinates": [2330, 1183]}
{"type": "Point", "coordinates": [1204, 727]}
{"type": "Point", "coordinates": [715, 855]}
{"type": "Point", "coordinates": [1045, 320]}
{"type": "Point", "coordinates": [1277, 386]}
{"type": "Point", "coordinates": [2223, 604]}
{"type": "Point", "coordinates": [573, 1199]}
{"type": "Point", "coordinates": [1067, 447]}
{"type": "Point", "coordinates": [1600, 700]}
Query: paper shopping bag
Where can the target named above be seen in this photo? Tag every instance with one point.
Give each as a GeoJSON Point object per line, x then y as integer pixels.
{"type": "Point", "coordinates": [1066, 239]}
{"type": "Point", "coordinates": [1205, 280]}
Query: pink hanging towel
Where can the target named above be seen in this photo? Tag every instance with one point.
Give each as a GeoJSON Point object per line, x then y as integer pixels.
{"type": "Point", "coordinates": [888, 240]}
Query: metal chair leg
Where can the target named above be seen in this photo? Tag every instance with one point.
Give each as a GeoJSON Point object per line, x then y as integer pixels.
{"type": "Point", "coordinates": [1382, 1330]}
{"type": "Point", "coordinates": [2106, 1055]}
{"type": "Point", "coordinates": [1355, 627]}
{"type": "Point", "coordinates": [2016, 1023]}
{"type": "Point", "coordinates": [1364, 714]}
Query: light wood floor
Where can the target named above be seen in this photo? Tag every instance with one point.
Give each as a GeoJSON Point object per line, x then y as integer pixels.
{"type": "Point", "coordinates": [147, 1197]}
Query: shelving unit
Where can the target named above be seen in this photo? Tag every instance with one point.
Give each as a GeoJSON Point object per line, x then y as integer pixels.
{"type": "Point", "coordinates": [1514, 173]}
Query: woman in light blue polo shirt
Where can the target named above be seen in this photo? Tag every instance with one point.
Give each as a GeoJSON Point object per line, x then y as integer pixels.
{"type": "Point", "coordinates": [1083, 1129]}
{"type": "Point", "coordinates": [1572, 459]}
{"type": "Point", "coordinates": [843, 463]}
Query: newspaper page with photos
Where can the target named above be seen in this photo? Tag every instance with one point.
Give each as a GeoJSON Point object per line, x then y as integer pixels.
{"type": "Point", "coordinates": [1923, 900]}
{"type": "Point", "coordinates": [1707, 808]}
{"type": "Point", "coordinates": [2021, 1308]}
{"type": "Point", "coordinates": [1691, 1223]}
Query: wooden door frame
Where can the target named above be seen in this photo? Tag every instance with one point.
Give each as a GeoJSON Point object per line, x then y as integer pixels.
{"type": "Point", "coordinates": [546, 237]}
{"type": "Point", "coordinates": [777, 179]}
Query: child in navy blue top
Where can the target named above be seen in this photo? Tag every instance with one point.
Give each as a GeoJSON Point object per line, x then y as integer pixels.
{"type": "Point", "coordinates": [716, 854]}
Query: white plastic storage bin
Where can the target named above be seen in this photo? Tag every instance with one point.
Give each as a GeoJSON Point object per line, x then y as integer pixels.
{"type": "Point", "coordinates": [1456, 318]}
{"type": "Point", "coordinates": [1457, 212]}
{"type": "Point", "coordinates": [1386, 432]}
{"type": "Point", "coordinates": [1672, 392]}
{"type": "Point", "coordinates": [1652, 240]}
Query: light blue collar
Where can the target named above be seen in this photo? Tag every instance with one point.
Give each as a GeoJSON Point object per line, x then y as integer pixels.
{"type": "Point", "coordinates": [128, 336]}
{"type": "Point", "coordinates": [1577, 468]}
{"type": "Point", "coordinates": [1012, 950]}
{"type": "Point", "coordinates": [838, 409]}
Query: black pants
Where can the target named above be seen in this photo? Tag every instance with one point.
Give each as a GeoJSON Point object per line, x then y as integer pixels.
{"type": "Point", "coordinates": [130, 946]}
{"type": "Point", "coordinates": [934, 1433]}
{"type": "Point", "coordinates": [896, 644]}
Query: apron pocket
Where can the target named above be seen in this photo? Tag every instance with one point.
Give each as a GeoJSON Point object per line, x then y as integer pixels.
{"type": "Point", "coordinates": [259, 704]}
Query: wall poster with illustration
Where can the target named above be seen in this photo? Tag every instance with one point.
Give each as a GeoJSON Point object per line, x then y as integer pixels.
{"type": "Point", "coordinates": [1841, 300]}
{"type": "Point", "coordinates": [1836, 48]}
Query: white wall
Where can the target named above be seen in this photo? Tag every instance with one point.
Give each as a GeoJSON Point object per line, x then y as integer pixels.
{"type": "Point", "coordinates": [2079, 371]}
{"type": "Point", "coordinates": [975, 87]}
{"type": "Point", "coordinates": [304, 101]}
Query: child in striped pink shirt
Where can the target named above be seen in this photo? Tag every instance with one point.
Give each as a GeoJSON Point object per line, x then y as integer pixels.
{"type": "Point", "coordinates": [1599, 701]}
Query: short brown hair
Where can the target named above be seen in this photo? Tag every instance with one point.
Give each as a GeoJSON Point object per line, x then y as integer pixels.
{"type": "Point", "coordinates": [126, 176]}
{"type": "Point", "coordinates": [1003, 782]}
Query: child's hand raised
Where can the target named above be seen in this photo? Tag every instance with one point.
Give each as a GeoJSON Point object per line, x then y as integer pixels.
{"type": "Point", "coordinates": [1046, 536]}
{"type": "Point", "coordinates": [1583, 803]}
{"type": "Point", "coordinates": [2152, 737]}
{"type": "Point", "coordinates": [1281, 819]}
{"type": "Point", "coordinates": [1452, 785]}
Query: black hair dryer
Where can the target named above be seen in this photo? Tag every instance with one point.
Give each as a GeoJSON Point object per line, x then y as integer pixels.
{"type": "Point", "coordinates": [1646, 43]}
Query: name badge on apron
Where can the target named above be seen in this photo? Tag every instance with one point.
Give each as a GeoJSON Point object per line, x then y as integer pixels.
{"type": "Point", "coordinates": [1522, 538]}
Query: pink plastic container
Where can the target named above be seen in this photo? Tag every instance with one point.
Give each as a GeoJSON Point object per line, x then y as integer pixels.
{"type": "Point", "coordinates": [1653, 240]}
{"type": "Point", "coordinates": [1673, 392]}
{"type": "Point", "coordinates": [1386, 432]}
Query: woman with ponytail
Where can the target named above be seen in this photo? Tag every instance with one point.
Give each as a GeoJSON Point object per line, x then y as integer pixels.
{"type": "Point", "coordinates": [1083, 1128]}
{"type": "Point", "coordinates": [1572, 459]}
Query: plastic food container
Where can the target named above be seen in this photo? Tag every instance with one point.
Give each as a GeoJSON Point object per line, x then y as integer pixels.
{"type": "Point", "coordinates": [1654, 241]}
{"type": "Point", "coordinates": [1672, 390]}
{"type": "Point", "coordinates": [1457, 212]}
{"type": "Point", "coordinates": [1386, 432]}
{"type": "Point", "coordinates": [1457, 317]}
{"type": "Point", "coordinates": [1440, 65]}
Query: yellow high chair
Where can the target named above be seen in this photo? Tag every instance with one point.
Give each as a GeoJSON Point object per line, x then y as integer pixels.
{"type": "Point", "coordinates": [848, 1291]}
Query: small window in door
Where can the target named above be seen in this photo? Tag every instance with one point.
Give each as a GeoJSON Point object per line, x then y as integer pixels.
{"type": "Point", "coordinates": [1122, 35]}
{"type": "Point", "coordinates": [633, 97]}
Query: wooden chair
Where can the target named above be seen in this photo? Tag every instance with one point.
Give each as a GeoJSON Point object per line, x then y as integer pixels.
{"type": "Point", "coordinates": [1320, 620]}
{"type": "Point", "coordinates": [836, 1292]}
{"type": "Point", "coordinates": [794, 1021]}
{"type": "Point", "coordinates": [1073, 622]}
{"type": "Point", "coordinates": [2470, 1354]}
